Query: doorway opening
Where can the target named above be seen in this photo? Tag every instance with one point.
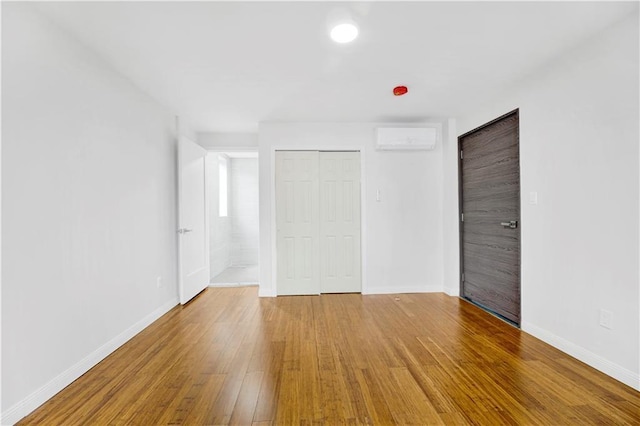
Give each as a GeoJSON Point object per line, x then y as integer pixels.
{"type": "Point", "coordinates": [234, 242]}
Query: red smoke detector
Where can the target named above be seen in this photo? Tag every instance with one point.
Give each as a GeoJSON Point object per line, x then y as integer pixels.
{"type": "Point", "coordinates": [400, 90]}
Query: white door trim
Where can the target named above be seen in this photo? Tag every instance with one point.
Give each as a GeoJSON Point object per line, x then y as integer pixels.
{"type": "Point", "coordinates": [363, 206]}
{"type": "Point", "coordinates": [223, 149]}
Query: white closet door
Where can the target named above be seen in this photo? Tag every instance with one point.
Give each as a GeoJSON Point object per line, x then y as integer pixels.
{"type": "Point", "coordinates": [297, 223]}
{"type": "Point", "coordinates": [340, 222]}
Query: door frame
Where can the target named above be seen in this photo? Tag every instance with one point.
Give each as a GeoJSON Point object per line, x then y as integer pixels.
{"type": "Point", "coordinates": [273, 225]}
{"type": "Point", "coordinates": [515, 112]}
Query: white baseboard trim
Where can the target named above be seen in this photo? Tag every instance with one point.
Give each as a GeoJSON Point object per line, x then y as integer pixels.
{"type": "Point", "coordinates": [377, 290]}
{"type": "Point", "coordinates": [266, 292]}
{"type": "Point", "coordinates": [609, 368]}
{"type": "Point", "coordinates": [48, 390]}
{"type": "Point", "coordinates": [247, 284]}
{"type": "Point", "coordinates": [405, 289]}
{"type": "Point", "coordinates": [452, 291]}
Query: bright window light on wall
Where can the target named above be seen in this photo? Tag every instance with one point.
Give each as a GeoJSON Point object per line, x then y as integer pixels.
{"type": "Point", "coordinates": [224, 195]}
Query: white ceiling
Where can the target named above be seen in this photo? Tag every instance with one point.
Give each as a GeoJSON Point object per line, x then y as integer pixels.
{"type": "Point", "coordinates": [225, 66]}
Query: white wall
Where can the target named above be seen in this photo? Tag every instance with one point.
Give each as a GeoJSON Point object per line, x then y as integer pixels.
{"type": "Point", "coordinates": [219, 227]}
{"type": "Point", "coordinates": [402, 235]}
{"type": "Point", "coordinates": [89, 213]}
{"type": "Point", "coordinates": [450, 223]}
{"type": "Point", "coordinates": [229, 141]}
{"type": "Point", "coordinates": [243, 211]}
{"type": "Point", "coordinates": [1, 274]}
{"type": "Point", "coordinates": [579, 150]}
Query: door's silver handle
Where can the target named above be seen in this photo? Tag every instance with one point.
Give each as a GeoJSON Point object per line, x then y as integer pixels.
{"type": "Point", "coordinates": [184, 230]}
{"type": "Point", "coordinates": [513, 224]}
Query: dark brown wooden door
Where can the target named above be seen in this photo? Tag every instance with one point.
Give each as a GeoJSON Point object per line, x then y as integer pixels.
{"type": "Point", "coordinates": [490, 216]}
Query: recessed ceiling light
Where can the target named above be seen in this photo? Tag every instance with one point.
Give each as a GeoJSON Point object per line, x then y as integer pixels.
{"type": "Point", "coordinates": [344, 33]}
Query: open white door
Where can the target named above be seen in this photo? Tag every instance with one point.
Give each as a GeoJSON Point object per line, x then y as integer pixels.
{"type": "Point", "coordinates": [193, 233]}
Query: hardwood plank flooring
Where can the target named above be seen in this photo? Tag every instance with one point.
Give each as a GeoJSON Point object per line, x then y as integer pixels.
{"type": "Point", "coordinates": [229, 357]}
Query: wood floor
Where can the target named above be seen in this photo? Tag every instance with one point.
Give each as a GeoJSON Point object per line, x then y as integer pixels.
{"type": "Point", "coordinates": [230, 357]}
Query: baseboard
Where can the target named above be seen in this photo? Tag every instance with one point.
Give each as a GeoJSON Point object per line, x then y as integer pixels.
{"type": "Point", "coordinates": [452, 291]}
{"type": "Point", "coordinates": [377, 290]}
{"type": "Point", "coordinates": [247, 284]}
{"type": "Point", "coordinates": [609, 368]}
{"type": "Point", "coordinates": [266, 292]}
{"type": "Point", "coordinates": [47, 391]}
{"type": "Point", "coordinates": [403, 289]}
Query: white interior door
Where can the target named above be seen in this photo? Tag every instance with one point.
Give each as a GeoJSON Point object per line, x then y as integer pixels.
{"type": "Point", "coordinates": [297, 246]}
{"type": "Point", "coordinates": [193, 233]}
{"type": "Point", "coordinates": [340, 222]}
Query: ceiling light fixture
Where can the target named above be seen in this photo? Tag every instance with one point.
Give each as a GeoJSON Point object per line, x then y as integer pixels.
{"type": "Point", "coordinates": [344, 33]}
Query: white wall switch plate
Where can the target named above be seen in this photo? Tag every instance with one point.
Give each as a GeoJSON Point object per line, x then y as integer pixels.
{"type": "Point", "coordinates": [606, 318]}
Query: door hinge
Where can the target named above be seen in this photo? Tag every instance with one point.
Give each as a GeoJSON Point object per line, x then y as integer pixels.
{"type": "Point", "coordinates": [461, 155]}
{"type": "Point", "coordinates": [461, 217]}
{"type": "Point", "coordinates": [463, 277]}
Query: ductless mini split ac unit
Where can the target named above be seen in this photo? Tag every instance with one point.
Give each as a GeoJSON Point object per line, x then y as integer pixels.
{"type": "Point", "coordinates": [406, 138]}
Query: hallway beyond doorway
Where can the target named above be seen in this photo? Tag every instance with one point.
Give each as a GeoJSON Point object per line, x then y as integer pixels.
{"type": "Point", "coordinates": [233, 218]}
{"type": "Point", "coordinates": [237, 276]}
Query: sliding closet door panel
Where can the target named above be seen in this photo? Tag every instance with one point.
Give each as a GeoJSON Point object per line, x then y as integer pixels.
{"type": "Point", "coordinates": [340, 222]}
{"type": "Point", "coordinates": [297, 223]}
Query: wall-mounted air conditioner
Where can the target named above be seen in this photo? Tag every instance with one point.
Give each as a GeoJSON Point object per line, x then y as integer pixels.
{"type": "Point", "coordinates": [406, 138]}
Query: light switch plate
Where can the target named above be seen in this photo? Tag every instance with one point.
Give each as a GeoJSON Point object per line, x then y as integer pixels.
{"type": "Point", "coordinates": [606, 319]}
